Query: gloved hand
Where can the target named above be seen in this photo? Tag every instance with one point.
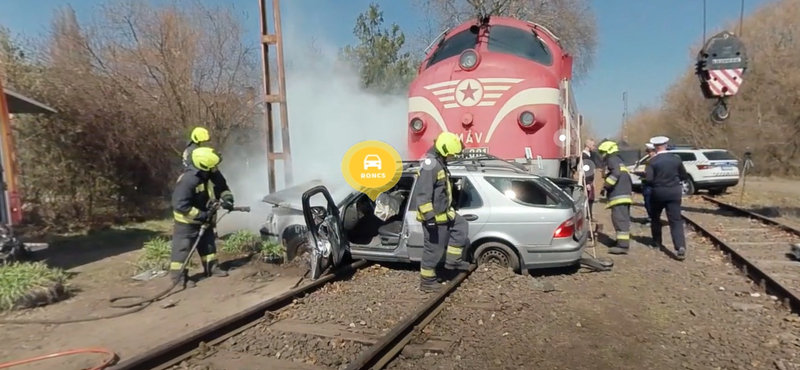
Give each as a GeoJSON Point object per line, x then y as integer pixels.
{"type": "Point", "coordinates": [203, 216]}
{"type": "Point", "coordinates": [603, 192]}
{"type": "Point", "coordinates": [227, 202]}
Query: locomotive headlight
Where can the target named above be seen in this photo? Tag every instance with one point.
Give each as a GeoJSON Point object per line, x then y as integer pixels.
{"type": "Point", "coordinates": [416, 125]}
{"type": "Point", "coordinates": [526, 119]}
{"type": "Point", "coordinates": [468, 60]}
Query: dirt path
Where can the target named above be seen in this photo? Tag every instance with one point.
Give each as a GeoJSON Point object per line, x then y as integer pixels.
{"type": "Point", "coordinates": [211, 300]}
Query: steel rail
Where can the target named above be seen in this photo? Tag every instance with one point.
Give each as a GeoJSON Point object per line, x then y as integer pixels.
{"type": "Point", "coordinates": [746, 265]}
{"type": "Point", "coordinates": [170, 353]}
{"type": "Point", "coordinates": [390, 344]}
{"type": "Point", "coordinates": [752, 214]}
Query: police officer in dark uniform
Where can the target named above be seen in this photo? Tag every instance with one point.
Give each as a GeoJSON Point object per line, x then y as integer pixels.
{"type": "Point", "coordinates": [665, 173]}
{"type": "Point", "coordinates": [647, 190]}
{"type": "Point", "coordinates": [442, 227]}
{"type": "Point", "coordinates": [191, 198]}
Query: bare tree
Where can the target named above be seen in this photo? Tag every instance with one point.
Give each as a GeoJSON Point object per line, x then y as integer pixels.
{"type": "Point", "coordinates": [128, 85]}
{"type": "Point", "coordinates": [573, 21]}
{"type": "Point", "coordinates": [765, 114]}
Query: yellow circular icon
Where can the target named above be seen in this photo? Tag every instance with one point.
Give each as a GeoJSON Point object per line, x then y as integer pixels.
{"type": "Point", "coordinates": [372, 167]}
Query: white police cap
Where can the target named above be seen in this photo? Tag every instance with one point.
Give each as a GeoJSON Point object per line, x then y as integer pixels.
{"type": "Point", "coordinates": [659, 140]}
{"type": "Point", "coordinates": [649, 146]}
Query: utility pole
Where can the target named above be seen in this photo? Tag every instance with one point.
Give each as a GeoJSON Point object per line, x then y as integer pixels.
{"type": "Point", "coordinates": [275, 39]}
{"type": "Point", "coordinates": [625, 116]}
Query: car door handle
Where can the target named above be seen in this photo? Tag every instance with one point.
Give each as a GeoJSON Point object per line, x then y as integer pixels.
{"type": "Point", "coordinates": [470, 217]}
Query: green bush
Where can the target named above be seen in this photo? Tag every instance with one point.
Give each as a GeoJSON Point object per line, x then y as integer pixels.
{"type": "Point", "coordinates": [271, 250]}
{"type": "Point", "coordinates": [242, 242]}
{"type": "Point", "coordinates": [25, 285]}
{"type": "Point", "coordinates": [155, 255]}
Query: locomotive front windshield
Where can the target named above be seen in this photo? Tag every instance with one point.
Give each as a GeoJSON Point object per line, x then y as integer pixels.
{"type": "Point", "coordinates": [520, 42]}
{"type": "Point", "coordinates": [453, 46]}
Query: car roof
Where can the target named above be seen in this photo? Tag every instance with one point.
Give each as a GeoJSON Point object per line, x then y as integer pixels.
{"type": "Point", "coordinates": [485, 164]}
{"type": "Point", "coordinates": [696, 150]}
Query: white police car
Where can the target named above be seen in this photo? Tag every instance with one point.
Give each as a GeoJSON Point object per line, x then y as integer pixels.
{"type": "Point", "coordinates": [714, 170]}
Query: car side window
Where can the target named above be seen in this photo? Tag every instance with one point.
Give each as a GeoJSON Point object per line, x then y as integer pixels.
{"type": "Point", "coordinates": [686, 156]}
{"type": "Point", "coordinates": [468, 197]}
{"type": "Point", "coordinates": [523, 191]}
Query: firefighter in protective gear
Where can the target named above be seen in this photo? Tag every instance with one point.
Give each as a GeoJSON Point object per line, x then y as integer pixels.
{"type": "Point", "coordinates": [191, 199]}
{"type": "Point", "coordinates": [198, 138]}
{"type": "Point", "coordinates": [442, 227]}
{"type": "Point", "coordinates": [619, 191]}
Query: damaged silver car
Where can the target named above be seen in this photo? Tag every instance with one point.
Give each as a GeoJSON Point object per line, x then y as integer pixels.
{"type": "Point", "coordinates": [516, 219]}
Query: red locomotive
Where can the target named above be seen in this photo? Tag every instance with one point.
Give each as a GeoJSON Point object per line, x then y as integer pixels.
{"type": "Point", "coordinates": [503, 85]}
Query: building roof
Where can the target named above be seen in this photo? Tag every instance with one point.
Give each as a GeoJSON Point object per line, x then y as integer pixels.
{"type": "Point", "coordinates": [20, 104]}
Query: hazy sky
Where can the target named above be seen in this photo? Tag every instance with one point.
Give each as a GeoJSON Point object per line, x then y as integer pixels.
{"type": "Point", "coordinates": [644, 45]}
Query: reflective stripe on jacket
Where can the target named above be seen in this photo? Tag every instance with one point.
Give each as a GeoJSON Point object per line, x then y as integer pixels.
{"type": "Point", "coordinates": [192, 195]}
{"type": "Point", "coordinates": [434, 191]}
{"type": "Point", "coordinates": [617, 182]}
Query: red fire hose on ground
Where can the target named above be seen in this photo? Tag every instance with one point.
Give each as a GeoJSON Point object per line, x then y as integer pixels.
{"type": "Point", "coordinates": [112, 358]}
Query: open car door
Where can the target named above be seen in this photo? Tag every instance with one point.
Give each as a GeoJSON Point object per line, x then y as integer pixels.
{"type": "Point", "coordinates": [327, 247]}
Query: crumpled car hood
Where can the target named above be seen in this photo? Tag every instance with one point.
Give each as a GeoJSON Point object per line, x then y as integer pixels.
{"type": "Point", "coordinates": [292, 197]}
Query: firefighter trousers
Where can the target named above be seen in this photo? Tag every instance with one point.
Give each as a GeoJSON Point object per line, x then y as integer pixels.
{"type": "Point", "coordinates": [446, 238]}
{"type": "Point", "coordinates": [183, 238]}
{"type": "Point", "coordinates": [667, 199]}
{"type": "Point", "coordinates": [621, 219]}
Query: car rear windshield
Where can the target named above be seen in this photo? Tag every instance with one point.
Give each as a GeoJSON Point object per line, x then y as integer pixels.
{"type": "Point", "coordinates": [719, 155]}
{"type": "Point", "coordinates": [523, 43]}
{"type": "Point", "coordinates": [455, 45]}
{"type": "Point", "coordinates": [533, 192]}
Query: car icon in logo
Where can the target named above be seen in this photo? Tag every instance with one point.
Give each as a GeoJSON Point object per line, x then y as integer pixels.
{"type": "Point", "coordinates": [372, 161]}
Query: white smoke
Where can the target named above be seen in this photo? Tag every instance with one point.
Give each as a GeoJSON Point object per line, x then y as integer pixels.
{"type": "Point", "coordinates": [328, 113]}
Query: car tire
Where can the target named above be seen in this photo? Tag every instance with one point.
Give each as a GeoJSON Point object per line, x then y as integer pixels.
{"type": "Point", "coordinates": [495, 252]}
{"type": "Point", "coordinates": [688, 187]}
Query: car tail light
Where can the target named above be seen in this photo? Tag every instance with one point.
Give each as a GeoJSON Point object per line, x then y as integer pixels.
{"type": "Point", "coordinates": [703, 166]}
{"type": "Point", "coordinates": [565, 230]}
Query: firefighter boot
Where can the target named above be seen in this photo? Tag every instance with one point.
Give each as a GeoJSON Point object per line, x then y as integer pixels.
{"type": "Point", "coordinates": [181, 278]}
{"type": "Point", "coordinates": [457, 265]}
{"type": "Point", "coordinates": [454, 261]}
{"type": "Point", "coordinates": [212, 269]}
{"type": "Point", "coordinates": [429, 285]}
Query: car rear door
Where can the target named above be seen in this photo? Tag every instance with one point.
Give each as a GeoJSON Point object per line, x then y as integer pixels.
{"type": "Point", "coordinates": [719, 163]}
{"type": "Point", "coordinates": [328, 231]}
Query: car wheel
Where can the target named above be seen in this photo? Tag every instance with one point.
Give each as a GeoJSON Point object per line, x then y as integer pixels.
{"type": "Point", "coordinates": [687, 187]}
{"type": "Point", "coordinates": [497, 253]}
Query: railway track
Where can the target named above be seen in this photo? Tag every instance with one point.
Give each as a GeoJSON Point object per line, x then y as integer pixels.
{"type": "Point", "coordinates": [759, 246]}
{"type": "Point", "coordinates": [287, 332]}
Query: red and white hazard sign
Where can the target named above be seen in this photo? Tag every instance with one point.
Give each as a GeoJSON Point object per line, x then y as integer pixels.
{"type": "Point", "coordinates": [725, 82]}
